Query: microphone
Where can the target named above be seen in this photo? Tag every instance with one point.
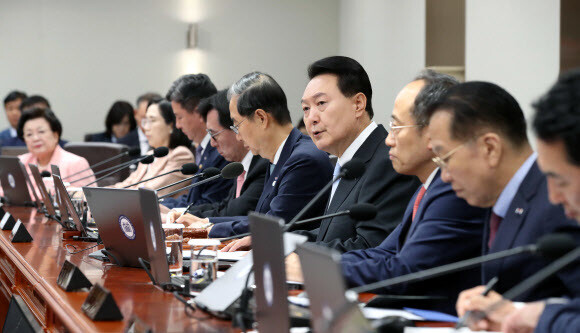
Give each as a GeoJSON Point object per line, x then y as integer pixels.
{"type": "Point", "coordinates": [230, 171]}
{"type": "Point", "coordinates": [209, 172]}
{"type": "Point", "coordinates": [186, 169]}
{"type": "Point", "coordinates": [550, 246]}
{"type": "Point", "coordinates": [45, 174]}
{"type": "Point", "coordinates": [130, 152]}
{"type": "Point", "coordinates": [358, 212]}
{"type": "Point", "coordinates": [157, 152]}
{"type": "Point", "coordinates": [350, 170]}
{"type": "Point", "coordinates": [148, 159]}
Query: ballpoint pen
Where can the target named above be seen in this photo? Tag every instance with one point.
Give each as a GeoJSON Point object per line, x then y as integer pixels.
{"type": "Point", "coordinates": [488, 287]}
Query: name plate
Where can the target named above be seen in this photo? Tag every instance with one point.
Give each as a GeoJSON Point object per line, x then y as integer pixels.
{"type": "Point", "coordinates": [71, 278]}
{"type": "Point", "coordinates": [20, 234]}
{"type": "Point", "coordinates": [7, 222]}
{"type": "Point", "coordinates": [100, 305]}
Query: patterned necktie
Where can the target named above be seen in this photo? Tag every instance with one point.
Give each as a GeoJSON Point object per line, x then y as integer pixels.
{"type": "Point", "coordinates": [336, 171]}
{"type": "Point", "coordinates": [198, 151]}
{"type": "Point", "coordinates": [494, 222]}
{"type": "Point", "coordinates": [418, 200]}
{"type": "Point", "coordinates": [240, 183]}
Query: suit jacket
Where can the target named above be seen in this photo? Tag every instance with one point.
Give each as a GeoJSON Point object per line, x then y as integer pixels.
{"type": "Point", "coordinates": [131, 139]}
{"type": "Point", "coordinates": [214, 191]}
{"type": "Point", "coordinates": [529, 216]}
{"type": "Point", "coordinates": [174, 160]}
{"type": "Point", "coordinates": [7, 140]}
{"type": "Point", "coordinates": [381, 186]}
{"type": "Point", "coordinates": [302, 170]}
{"type": "Point", "coordinates": [249, 194]}
{"type": "Point", "coordinates": [445, 230]}
{"type": "Point", "coordinates": [558, 318]}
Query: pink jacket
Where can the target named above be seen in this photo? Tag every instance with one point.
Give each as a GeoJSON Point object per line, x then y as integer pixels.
{"type": "Point", "coordinates": [68, 163]}
{"type": "Point", "coordinates": [174, 160]}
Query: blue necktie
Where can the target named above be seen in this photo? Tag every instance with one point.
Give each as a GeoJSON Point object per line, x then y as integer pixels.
{"type": "Point", "coordinates": [337, 168]}
{"type": "Point", "coordinates": [198, 154]}
{"type": "Point", "coordinates": [272, 167]}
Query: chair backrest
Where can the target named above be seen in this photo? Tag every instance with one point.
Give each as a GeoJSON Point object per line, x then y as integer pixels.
{"type": "Point", "coordinates": [14, 150]}
{"type": "Point", "coordinates": [96, 152]}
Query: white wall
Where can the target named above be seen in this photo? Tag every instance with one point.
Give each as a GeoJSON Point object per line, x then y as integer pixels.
{"type": "Point", "coordinates": [83, 55]}
{"type": "Point", "coordinates": [388, 39]}
{"type": "Point", "coordinates": [515, 44]}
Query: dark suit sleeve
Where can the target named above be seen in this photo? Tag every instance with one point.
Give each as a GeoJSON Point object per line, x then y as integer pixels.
{"type": "Point", "coordinates": [303, 177]}
{"type": "Point", "coordinates": [438, 232]}
{"type": "Point", "coordinates": [390, 192]}
{"type": "Point", "coordinates": [560, 318]}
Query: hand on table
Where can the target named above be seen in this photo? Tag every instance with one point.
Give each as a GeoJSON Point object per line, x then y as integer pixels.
{"type": "Point", "coordinates": [293, 268]}
{"type": "Point", "coordinates": [189, 220]}
{"type": "Point", "coordinates": [472, 300]}
{"type": "Point", "coordinates": [242, 244]}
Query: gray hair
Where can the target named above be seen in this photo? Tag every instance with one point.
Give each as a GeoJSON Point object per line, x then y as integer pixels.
{"type": "Point", "coordinates": [436, 85]}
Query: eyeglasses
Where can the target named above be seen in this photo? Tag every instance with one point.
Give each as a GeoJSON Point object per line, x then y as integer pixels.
{"type": "Point", "coordinates": [146, 122]}
{"type": "Point", "coordinates": [442, 161]}
{"type": "Point", "coordinates": [395, 129]}
{"type": "Point", "coordinates": [213, 135]}
{"type": "Point", "coordinates": [235, 127]}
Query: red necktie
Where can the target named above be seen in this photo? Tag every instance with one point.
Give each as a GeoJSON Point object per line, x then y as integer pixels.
{"type": "Point", "coordinates": [494, 223]}
{"type": "Point", "coordinates": [239, 184]}
{"type": "Point", "coordinates": [418, 200]}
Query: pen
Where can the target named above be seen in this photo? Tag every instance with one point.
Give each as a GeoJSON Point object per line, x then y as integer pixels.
{"type": "Point", "coordinates": [488, 287]}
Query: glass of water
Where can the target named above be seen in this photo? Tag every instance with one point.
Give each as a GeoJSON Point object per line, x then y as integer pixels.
{"type": "Point", "coordinates": [174, 246]}
{"type": "Point", "coordinates": [204, 262]}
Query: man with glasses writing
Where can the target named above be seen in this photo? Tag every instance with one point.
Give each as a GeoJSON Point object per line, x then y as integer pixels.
{"type": "Point", "coordinates": [478, 130]}
{"type": "Point", "coordinates": [246, 192]}
{"type": "Point", "coordinates": [185, 94]}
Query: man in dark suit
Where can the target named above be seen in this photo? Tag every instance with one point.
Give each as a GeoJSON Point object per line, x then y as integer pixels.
{"type": "Point", "coordinates": [297, 170]}
{"type": "Point", "coordinates": [557, 124]}
{"type": "Point", "coordinates": [12, 101]}
{"type": "Point", "coordinates": [338, 115]}
{"type": "Point", "coordinates": [478, 132]}
{"type": "Point", "coordinates": [185, 94]}
{"type": "Point", "coordinates": [245, 193]}
{"type": "Point", "coordinates": [437, 227]}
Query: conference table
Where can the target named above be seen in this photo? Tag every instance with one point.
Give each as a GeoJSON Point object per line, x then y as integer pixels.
{"type": "Point", "coordinates": [30, 270]}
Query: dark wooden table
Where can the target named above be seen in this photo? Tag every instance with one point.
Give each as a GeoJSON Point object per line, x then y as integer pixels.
{"type": "Point", "coordinates": [31, 269]}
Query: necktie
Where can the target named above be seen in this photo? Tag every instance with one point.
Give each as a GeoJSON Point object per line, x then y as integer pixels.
{"type": "Point", "coordinates": [494, 223]}
{"type": "Point", "coordinates": [198, 151]}
{"type": "Point", "coordinates": [335, 184]}
{"type": "Point", "coordinates": [418, 200]}
{"type": "Point", "coordinates": [239, 183]}
{"type": "Point", "coordinates": [272, 167]}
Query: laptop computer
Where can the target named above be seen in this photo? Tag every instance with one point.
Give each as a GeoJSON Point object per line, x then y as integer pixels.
{"type": "Point", "coordinates": [273, 313]}
{"type": "Point", "coordinates": [69, 214]}
{"type": "Point", "coordinates": [155, 238]}
{"type": "Point", "coordinates": [119, 219]}
{"type": "Point", "coordinates": [330, 309]}
{"type": "Point", "coordinates": [50, 211]}
{"type": "Point", "coordinates": [14, 182]}
{"type": "Point", "coordinates": [218, 297]}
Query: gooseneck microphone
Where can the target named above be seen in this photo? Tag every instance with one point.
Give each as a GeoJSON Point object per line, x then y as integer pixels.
{"type": "Point", "coordinates": [148, 159]}
{"type": "Point", "coordinates": [186, 169]}
{"type": "Point", "coordinates": [550, 246]}
{"type": "Point", "coordinates": [358, 212]}
{"type": "Point", "coordinates": [230, 171]}
{"type": "Point", "coordinates": [209, 172]}
{"type": "Point", "coordinates": [45, 174]}
{"type": "Point", "coordinates": [157, 152]}
{"type": "Point", "coordinates": [350, 170]}
{"type": "Point", "coordinates": [132, 151]}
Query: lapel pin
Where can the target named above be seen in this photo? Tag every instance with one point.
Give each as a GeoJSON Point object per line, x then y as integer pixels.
{"type": "Point", "coordinates": [519, 211]}
{"type": "Point", "coordinates": [274, 183]}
